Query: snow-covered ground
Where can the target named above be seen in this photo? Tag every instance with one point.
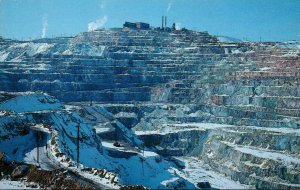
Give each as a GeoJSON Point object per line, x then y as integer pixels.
{"type": "Point", "coordinates": [31, 102]}
{"type": "Point", "coordinates": [18, 50]}
{"type": "Point", "coordinates": [262, 153]}
{"type": "Point", "coordinates": [289, 44]}
{"type": "Point", "coordinates": [44, 161]}
{"type": "Point", "coordinates": [144, 168]}
{"type": "Point", "coordinates": [228, 39]}
{"type": "Point", "coordinates": [197, 171]}
{"type": "Point", "coordinates": [171, 128]}
{"type": "Point", "coordinates": [8, 184]}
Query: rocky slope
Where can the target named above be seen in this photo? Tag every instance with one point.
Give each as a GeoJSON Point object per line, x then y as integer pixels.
{"type": "Point", "coordinates": [233, 106]}
{"type": "Point", "coordinates": [36, 129]}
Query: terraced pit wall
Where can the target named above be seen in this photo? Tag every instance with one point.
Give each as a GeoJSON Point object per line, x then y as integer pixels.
{"type": "Point", "coordinates": [176, 78]}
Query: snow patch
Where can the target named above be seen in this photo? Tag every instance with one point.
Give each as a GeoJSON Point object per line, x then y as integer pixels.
{"type": "Point", "coordinates": [31, 103]}
{"type": "Point", "coordinates": [228, 39]}
{"type": "Point", "coordinates": [126, 114]}
{"type": "Point", "coordinates": [31, 48]}
{"type": "Point", "coordinates": [196, 171]}
{"type": "Point", "coordinates": [67, 52]}
{"type": "Point", "coordinates": [8, 184]}
{"type": "Point", "coordinates": [262, 153]}
{"type": "Point", "coordinates": [3, 56]}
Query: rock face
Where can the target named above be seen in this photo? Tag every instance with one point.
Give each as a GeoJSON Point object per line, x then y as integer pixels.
{"type": "Point", "coordinates": [203, 185]}
{"type": "Point", "coordinates": [234, 105]}
{"type": "Point", "coordinates": [263, 157]}
{"type": "Point", "coordinates": [19, 171]}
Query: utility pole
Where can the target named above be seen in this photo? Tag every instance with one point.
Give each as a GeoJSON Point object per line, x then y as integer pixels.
{"type": "Point", "coordinates": [38, 136]}
{"type": "Point", "coordinates": [143, 159]}
{"type": "Point", "coordinates": [78, 141]}
{"type": "Point", "coordinates": [143, 167]}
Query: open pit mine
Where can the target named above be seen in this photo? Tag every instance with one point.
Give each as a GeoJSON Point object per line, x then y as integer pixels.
{"type": "Point", "coordinates": [140, 107]}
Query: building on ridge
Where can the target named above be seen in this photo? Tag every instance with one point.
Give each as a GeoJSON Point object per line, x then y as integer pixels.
{"type": "Point", "coordinates": [136, 25]}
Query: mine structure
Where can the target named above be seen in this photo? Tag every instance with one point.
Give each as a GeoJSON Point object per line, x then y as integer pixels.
{"type": "Point", "coordinates": [136, 25]}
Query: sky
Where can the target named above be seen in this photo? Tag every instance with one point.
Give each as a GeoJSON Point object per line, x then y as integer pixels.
{"type": "Point", "coordinates": [266, 20]}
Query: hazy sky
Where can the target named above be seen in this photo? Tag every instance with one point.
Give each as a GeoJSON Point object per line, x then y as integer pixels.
{"type": "Point", "coordinates": [273, 20]}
